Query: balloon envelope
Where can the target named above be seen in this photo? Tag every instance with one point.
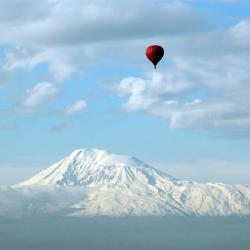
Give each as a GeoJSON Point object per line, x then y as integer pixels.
{"type": "Point", "coordinates": [154, 53]}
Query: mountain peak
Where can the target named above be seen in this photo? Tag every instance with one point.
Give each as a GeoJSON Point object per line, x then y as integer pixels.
{"type": "Point", "coordinates": [91, 152]}
{"type": "Point", "coordinates": [102, 157]}
{"type": "Point", "coordinates": [95, 166]}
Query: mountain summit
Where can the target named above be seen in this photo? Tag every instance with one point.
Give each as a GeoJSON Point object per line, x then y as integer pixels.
{"type": "Point", "coordinates": [94, 166]}
{"type": "Point", "coordinates": [115, 185]}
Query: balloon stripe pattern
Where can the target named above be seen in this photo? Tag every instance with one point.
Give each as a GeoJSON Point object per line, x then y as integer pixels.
{"type": "Point", "coordinates": [154, 53]}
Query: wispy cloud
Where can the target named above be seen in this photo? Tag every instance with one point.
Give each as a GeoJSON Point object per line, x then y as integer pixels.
{"type": "Point", "coordinates": [9, 126]}
{"type": "Point", "coordinates": [61, 126]}
{"type": "Point", "coordinates": [75, 107]}
{"type": "Point", "coordinates": [61, 62]}
{"type": "Point", "coordinates": [39, 96]}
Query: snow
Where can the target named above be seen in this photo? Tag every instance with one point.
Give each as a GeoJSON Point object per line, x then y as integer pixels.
{"type": "Point", "coordinates": [92, 182]}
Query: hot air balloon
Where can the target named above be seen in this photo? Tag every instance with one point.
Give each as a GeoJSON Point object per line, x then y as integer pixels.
{"type": "Point", "coordinates": [154, 53]}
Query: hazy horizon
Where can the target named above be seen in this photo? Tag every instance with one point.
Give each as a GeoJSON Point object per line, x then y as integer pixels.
{"type": "Point", "coordinates": [133, 233]}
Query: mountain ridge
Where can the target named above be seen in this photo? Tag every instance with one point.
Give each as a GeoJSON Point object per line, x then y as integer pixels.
{"type": "Point", "coordinates": [117, 185]}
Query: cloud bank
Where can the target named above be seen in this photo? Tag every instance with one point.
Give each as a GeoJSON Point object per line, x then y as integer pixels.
{"type": "Point", "coordinates": [204, 85]}
{"type": "Point", "coordinates": [207, 86]}
{"type": "Point", "coordinates": [69, 35]}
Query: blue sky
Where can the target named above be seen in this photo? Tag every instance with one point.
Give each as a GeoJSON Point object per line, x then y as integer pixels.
{"type": "Point", "coordinates": [74, 75]}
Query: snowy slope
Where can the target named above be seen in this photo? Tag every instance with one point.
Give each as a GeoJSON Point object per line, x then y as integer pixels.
{"type": "Point", "coordinates": [103, 183]}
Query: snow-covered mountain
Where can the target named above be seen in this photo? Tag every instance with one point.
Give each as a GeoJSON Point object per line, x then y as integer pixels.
{"type": "Point", "coordinates": [97, 182]}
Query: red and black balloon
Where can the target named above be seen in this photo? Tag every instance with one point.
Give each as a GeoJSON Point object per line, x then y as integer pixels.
{"type": "Point", "coordinates": [154, 53]}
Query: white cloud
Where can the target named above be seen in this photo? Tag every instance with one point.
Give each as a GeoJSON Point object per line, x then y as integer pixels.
{"type": "Point", "coordinates": [68, 35]}
{"type": "Point", "coordinates": [204, 93]}
{"type": "Point", "coordinates": [75, 107]}
{"type": "Point", "coordinates": [19, 203]}
{"type": "Point", "coordinates": [62, 62]}
{"type": "Point", "coordinates": [21, 58]}
{"type": "Point", "coordinates": [241, 32]}
{"type": "Point", "coordinates": [145, 93]}
{"type": "Point", "coordinates": [67, 23]}
{"type": "Point", "coordinates": [217, 75]}
{"type": "Point", "coordinates": [206, 84]}
{"type": "Point", "coordinates": [40, 95]}
{"type": "Point", "coordinates": [15, 12]}
{"type": "Point", "coordinates": [58, 32]}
